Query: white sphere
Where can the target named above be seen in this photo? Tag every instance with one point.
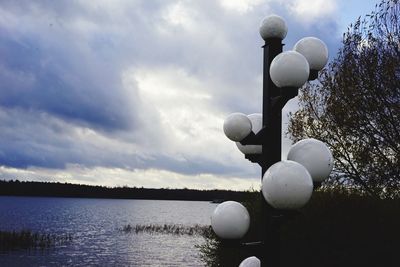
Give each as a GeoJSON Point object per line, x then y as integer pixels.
{"type": "Point", "coordinates": [314, 50]}
{"type": "Point", "coordinates": [273, 26]}
{"type": "Point", "coordinates": [250, 262]}
{"type": "Point", "coordinates": [256, 124]}
{"type": "Point", "coordinates": [237, 126]}
{"type": "Point", "coordinates": [289, 69]}
{"type": "Point", "coordinates": [287, 185]}
{"type": "Point", "coordinates": [315, 156]}
{"type": "Point", "coordinates": [230, 220]}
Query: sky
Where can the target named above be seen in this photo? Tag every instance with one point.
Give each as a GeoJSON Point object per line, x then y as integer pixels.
{"type": "Point", "coordinates": [135, 92]}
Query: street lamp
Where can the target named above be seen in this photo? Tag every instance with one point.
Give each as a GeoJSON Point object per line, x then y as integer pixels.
{"type": "Point", "coordinates": [288, 184]}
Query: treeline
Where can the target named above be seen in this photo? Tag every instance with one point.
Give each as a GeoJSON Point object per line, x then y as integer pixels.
{"type": "Point", "coordinates": [56, 189]}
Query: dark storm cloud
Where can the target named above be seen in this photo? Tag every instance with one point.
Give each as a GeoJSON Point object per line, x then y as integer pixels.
{"type": "Point", "coordinates": [39, 79]}
{"type": "Point", "coordinates": [37, 139]}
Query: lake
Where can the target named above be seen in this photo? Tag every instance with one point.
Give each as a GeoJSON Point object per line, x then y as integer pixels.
{"type": "Point", "coordinates": [96, 238]}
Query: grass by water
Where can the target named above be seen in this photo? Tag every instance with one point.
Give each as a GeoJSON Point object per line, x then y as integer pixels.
{"type": "Point", "coordinates": [26, 239]}
{"type": "Point", "coordinates": [171, 229]}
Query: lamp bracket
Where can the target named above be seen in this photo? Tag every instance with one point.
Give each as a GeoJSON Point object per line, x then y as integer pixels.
{"type": "Point", "coordinates": [280, 101]}
{"type": "Point", "coordinates": [255, 158]}
{"type": "Point", "coordinates": [255, 139]}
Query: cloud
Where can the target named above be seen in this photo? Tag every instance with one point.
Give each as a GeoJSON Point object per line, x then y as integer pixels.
{"type": "Point", "coordinates": [138, 89]}
{"type": "Point", "coordinates": [38, 139]}
{"type": "Point", "coordinates": [319, 10]}
{"type": "Point", "coordinates": [149, 178]}
{"type": "Point", "coordinates": [58, 73]}
{"type": "Point", "coordinates": [240, 6]}
{"type": "Point", "coordinates": [180, 15]}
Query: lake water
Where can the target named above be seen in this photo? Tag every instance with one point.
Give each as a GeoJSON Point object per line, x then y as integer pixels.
{"type": "Point", "coordinates": [96, 238]}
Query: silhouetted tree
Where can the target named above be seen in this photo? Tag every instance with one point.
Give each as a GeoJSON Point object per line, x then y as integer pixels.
{"type": "Point", "coordinates": [354, 105]}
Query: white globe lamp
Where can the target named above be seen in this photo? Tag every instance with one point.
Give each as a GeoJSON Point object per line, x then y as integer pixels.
{"type": "Point", "coordinates": [256, 124]}
{"type": "Point", "coordinates": [287, 185]}
{"type": "Point", "coordinates": [289, 69]}
{"type": "Point", "coordinates": [250, 262]}
{"type": "Point", "coordinates": [237, 126]}
{"type": "Point", "coordinates": [314, 50]}
{"type": "Point", "coordinates": [230, 220]}
{"type": "Point", "coordinates": [315, 156]}
{"type": "Point", "coordinates": [273, 26]}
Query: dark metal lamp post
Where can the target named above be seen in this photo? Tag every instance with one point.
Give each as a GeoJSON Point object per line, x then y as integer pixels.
{"type": "Point", "coordinates": [286, 185]}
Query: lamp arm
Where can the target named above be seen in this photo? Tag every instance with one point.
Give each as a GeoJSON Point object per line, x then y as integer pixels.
{"type": "Point", "coordinates": [255, 139]}
{"type": "Point", "coordinates": [255, 158]}
{"type": "Point", "coordinates": [280, 101]}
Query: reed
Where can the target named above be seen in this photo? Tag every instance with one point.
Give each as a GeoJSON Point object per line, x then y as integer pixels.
{"type": "Point", "coordinates": [26, 239]}
{"type": "Point", "coordinates": [168, 229]}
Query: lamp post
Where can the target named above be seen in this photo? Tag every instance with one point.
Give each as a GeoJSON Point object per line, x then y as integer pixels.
{"type": "Point", "coordinates": [286, 185]}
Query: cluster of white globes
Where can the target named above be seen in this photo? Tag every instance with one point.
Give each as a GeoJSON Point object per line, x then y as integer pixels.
{"type": "Point", "coordinates": [287, 184]}
{"type": "Point", "coordinates": [292, 68]}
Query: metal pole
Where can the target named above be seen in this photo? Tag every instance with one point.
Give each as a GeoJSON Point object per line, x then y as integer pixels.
{"type": "Point", "coordinates": [271, 153]}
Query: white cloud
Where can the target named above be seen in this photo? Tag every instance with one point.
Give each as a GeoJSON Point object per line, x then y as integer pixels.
{"type": "Point", "coordinates": [240, 6]}
{"type": "Point", "coordinates": [179, 14]}
{"type": "Point", "coordinates": [311, 12]}
{"type": "Point", "coordinates": [179, 109]}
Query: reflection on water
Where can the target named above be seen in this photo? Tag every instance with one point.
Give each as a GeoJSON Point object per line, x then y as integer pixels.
{"type": "Point", "coordinates": [97, 240]}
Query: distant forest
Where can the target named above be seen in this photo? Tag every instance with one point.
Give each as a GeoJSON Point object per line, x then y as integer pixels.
{"type": "Point", "coordinates": [55, 189]}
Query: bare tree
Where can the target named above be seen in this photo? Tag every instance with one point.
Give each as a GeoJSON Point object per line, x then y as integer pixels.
{"type": "Point", "coordinates": [354, 106]}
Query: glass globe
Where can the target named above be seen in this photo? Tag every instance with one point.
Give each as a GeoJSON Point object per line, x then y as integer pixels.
{"type": "Point", "coordinates": [315, 156]}
{"type": "Point", "coordinates": [273, 26]}
{"type": "Point", "coordinates": [287, 185]}
{"type": "Point", "coordinates": [237, 126]}
{"type": "Point", "coordinates": [289, 69]}
{"type": "Point", "coordinates": [314, 50]}
{"type": "Point", "coordinates": [230, 220]}
{"type": "Point", "coordinates": [250, 262]}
